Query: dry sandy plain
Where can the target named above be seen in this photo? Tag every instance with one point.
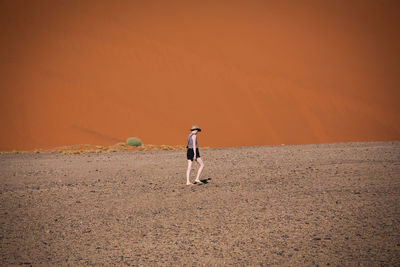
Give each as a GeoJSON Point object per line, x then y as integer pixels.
{"type": "Point", "coordinates": [303, 205]}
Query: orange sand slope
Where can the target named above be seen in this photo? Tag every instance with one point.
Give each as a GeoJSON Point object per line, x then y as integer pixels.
{"type": "Point", "coordinates": [271, 72]}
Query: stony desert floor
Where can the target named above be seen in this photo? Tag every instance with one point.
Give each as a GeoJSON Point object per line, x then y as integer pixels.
{"type": "Point", "coordinates": [330, 204]}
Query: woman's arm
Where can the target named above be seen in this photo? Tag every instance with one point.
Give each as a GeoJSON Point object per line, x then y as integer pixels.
{"type": "Point", "coordinates": [194, 144]}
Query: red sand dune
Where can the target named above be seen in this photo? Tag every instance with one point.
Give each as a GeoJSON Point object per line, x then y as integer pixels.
{"type": "Point", "coordinates": [248, 72]}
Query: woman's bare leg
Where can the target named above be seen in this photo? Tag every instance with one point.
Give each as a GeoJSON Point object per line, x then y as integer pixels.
{"type": "Point", "coordinates": [200, 161]}
{"type": "Point", "coordinates": [188, 172]}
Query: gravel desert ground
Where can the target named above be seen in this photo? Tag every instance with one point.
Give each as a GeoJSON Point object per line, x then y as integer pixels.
{"type": "Point", "coordinates": [331, 204]}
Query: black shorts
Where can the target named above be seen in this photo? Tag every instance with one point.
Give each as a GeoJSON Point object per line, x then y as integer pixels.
{"type": "Point", "coordinates": [190, 153]}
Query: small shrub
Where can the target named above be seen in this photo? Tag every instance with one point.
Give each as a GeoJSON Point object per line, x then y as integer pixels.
{"type": "Point", "coordinates": [134, 141]}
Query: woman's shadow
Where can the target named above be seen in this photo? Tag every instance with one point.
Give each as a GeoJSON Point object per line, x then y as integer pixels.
{"type": "Point", "coordinates": [205, 181]}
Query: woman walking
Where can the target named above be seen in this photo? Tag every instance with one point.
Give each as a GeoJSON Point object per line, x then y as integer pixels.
{"type": "Point", "coordinates": [193, 154]}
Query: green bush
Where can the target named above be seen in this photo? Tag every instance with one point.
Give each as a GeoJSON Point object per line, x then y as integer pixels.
{"type": "Point", "coordinates": [134, 141]}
